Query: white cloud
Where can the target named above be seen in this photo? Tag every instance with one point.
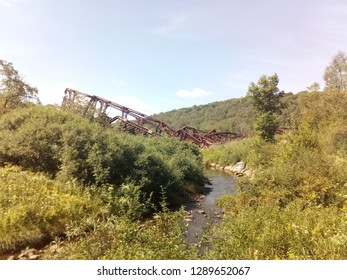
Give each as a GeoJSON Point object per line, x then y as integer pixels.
{"type": "Point", "coordinates": [195, 93]}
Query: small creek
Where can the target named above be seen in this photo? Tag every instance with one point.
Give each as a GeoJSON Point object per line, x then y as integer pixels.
{"type": "Point", "coordinates": [204, 210]}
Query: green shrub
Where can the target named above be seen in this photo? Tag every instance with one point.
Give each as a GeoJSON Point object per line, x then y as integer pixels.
{"type": "Point", "coordinates": [68, 147]}
{"type": "Point", "coordinates": [127, 200]}
{"type": "Point", "coordinates": [47, 140]}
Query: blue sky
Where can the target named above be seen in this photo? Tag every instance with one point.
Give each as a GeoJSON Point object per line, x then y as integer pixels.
{"type": "Point", "coordinates": [159, 55]}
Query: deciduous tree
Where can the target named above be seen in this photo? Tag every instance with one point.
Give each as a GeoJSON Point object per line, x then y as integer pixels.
{"type": "Point", "coordinates": [335, 75]}
{"type": "Point", "coordinates": [14, 92]}
{"type": "Point", "coordinates": [266, 98]}
{"type": "Point", "coordinates": [315, 87]}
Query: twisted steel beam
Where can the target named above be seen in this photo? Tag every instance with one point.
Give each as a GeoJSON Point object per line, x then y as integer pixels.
{"type": "Point", "coordinates": [96, 107]}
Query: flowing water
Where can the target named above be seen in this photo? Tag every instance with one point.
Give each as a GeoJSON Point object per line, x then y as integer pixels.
{"type": "Point", "coordinates": [204, 210]}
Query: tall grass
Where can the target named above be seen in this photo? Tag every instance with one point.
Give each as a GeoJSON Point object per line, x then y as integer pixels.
{"type": "Point", "coordinates": [253, 151]}
{"type": "Point", "coordinates": [227, 154]}
{"type": "Point", "coordinates": [121, 238]}
{"type": "Point", "coordinates": [35, 208]}
{"type": "Point", "coordinates": [272, 232]}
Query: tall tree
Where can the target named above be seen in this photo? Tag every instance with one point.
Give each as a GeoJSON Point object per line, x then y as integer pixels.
{"type": "Point", "coordinates": [14, 92]}
{"type": "Point", "coordinates": [335, 75]}
{"type": "Point", "coordinates": [266, 98]}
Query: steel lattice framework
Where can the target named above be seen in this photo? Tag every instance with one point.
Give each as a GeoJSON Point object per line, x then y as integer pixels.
{"type": "Point", "coordinates": [130, 120]}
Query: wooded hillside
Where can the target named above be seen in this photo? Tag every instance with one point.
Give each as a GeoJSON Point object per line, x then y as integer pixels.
{"type": "Point", "coordinates": [235, 115]}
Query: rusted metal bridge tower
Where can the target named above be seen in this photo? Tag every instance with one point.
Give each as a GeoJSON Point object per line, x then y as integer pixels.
{"type": "Point", "coordinates": [130, 120]}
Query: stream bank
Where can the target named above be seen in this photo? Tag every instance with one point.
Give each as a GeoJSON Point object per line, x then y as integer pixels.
{"type": "Point", "coordinates": [239, 169]}
{"type": "Point", "coordinates": [200, 213]}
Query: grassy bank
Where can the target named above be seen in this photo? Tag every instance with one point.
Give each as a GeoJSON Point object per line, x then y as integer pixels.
{"type": "Point", "coordinates": [295, 205]}
{"type": "Point", "coordinates": [36, 209]}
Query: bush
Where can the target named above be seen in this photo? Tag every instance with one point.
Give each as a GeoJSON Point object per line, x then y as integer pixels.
{"type": "Point", "coordinates": [68, 147]}
{"type": "Point", "coordinates": [127, 201]}
{"type": "Point", "coordinates": [44, 139]}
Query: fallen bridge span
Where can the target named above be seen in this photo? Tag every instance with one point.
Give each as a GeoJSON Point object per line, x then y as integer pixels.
{"type": "Point", "coordinates": [98, 108]}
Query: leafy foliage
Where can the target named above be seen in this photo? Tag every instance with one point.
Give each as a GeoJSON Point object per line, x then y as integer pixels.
{"type": "Point", "coordinates": [235, 115]}
{"type": "Point", "coordinates": [266, 98]}
{"type": "Point", "coordinates": [335, 75]}
{"type": "Point", "coordinates": [68, 147]}
{"type": "Point", "coordinates": [14, 92]}
{"type": "Point", "coordinates": [230, 115]}
{"type": "Point", "coordinates": [124, 179]}
{"type": "Point", "coordinates": [266, 125]}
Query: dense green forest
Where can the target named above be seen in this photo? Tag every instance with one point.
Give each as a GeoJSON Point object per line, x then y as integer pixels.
{"type": "Point", "coordinates": [234, 115]}
{"type": "Point", "coordinates": [98, 193]}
